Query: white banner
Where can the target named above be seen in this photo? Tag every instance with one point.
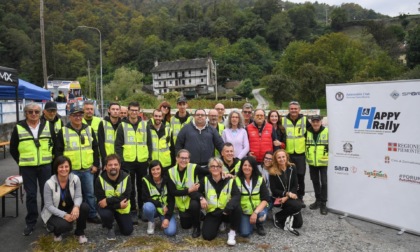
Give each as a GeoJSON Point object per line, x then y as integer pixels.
{"type": "Point", "coordinates": [374, 155]}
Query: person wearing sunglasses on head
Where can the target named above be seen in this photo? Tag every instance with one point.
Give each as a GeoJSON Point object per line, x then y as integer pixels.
{"type": "Point", "coordinates": [77, 141]}
{"type": "Point", "coordinates": [295, 125]}
{"type": "Point", "coordinates": [31, 146]}
{"type": "Point", "coordinates": [165, 107]}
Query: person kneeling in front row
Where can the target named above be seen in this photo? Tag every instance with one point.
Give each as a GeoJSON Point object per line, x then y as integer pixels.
{"type": "Point", "coordinates": [157, 201]}
{"type": "Point", "coordinates": [63, 202]}
{"type": "Point", "coordinates": [220, 198]}
{"type": "Point", "coordinates": [112, 190]}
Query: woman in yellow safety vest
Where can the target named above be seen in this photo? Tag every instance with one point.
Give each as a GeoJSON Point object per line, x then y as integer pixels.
{"type": "Point", "coordinates": [254, 197]}
{"type": "Point", "coordinates": [157, 201]}
{"type": "Point", "coordinates": [220, 199]}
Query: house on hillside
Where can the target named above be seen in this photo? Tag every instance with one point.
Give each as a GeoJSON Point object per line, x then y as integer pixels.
{"type": "Point", "coordinates": [192, 77]}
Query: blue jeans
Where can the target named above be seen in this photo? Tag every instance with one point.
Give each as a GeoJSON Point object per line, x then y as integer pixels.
{"type": "Point", "coordinates": [86, 179]}
{"type": "Point", "coordinates": [150, 213]}
{"type": "Point", "coordinates": [245, 227]}
{"type": "Point", "coordinates": [31, 175]}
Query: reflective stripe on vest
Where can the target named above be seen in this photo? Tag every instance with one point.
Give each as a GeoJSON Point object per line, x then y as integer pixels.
{"type": "Point", "coordinates": [94, 124]}
{"type": "Point", "coordinates": [109, 142]}
{"type": "Point", "coordinates": [156, 195]}
{"type": "Point", "coordinates": [316, 151]}
{"type": "Point", "coordinates": [135, 143]}
{"type": "Point", "coordinates": [183, 202]}
{"type": "Point", "coordinates": [176, 126]}
{"type": "Point", "coordinates": [214, 202]}
{"type": "Point", "coordinates": [295, 135]}
{"type": "Point", "coordinates": [29, 153]}
{"type": "Point", "coordinates": [249, 200]}
{"type": "Point", "coordinates": [111, 192]}
{"type": "Point", "coordinates": [81, 155]}
{"type": "Point", "coordinates": [161, 147]}
{"type": "Point", "coordinates": [58, 125]}
{"type": "Point", "coordinates": [234, 170]}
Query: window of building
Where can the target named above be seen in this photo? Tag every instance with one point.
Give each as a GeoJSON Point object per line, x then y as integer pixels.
{"type": "Point", "coordinates": [202, 80]}
{"type": "Point", "coordinates": [159, 74]}
{"type": "Point", "coordinates": [160, 83]}
{"type": "Point", "coordinates": [170, 73]}
{"type": "Point", "coordinates": [189, 71]}
{"type": "Point", "coordinates": [189, 80]}
{"type": "Point", "coordinates": [202, 71]}
{"type": "Point", "coordinates": [170, 82]}
{"type": "Point", "coordinates": [183, 82]}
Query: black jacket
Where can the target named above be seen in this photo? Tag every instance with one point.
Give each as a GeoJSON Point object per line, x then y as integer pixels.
{"type": "Point", "coordinates": [264, 193]}
{"type": "Point", "coordinates": [200, 143]}
{"type": "Point", "coordinates": [147, 198]}
{"type": "Point", "coordinates": [113, 202]}
{"type": "Point", "coordinates": [60, 143]}
{"type": "Point", "coordinates": [234, 201]}
{"type": "Point", "coordinates": [119, 138]}
{"type": "Point", "coordinates": [14, 139]}
{"type": "Point", "coordinates": [288, 182]}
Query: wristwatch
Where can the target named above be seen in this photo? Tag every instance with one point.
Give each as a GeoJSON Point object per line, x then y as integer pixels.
{"type": "Point", "coordinates": [201, 198]}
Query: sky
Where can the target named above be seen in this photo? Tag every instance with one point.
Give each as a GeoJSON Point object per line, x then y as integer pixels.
{"type": "Point", "coordinates": [391, 8]}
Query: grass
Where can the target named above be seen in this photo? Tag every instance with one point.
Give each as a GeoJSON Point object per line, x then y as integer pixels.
{"type": "Point", "coordinates": [46, 243]}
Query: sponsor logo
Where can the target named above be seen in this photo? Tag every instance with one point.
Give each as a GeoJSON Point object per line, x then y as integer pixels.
{"type": "Point", "coordinates": [348, 150]}
{"type": "Point", "coordinates": [395, 94]}
{"type": "Point", "coordinates": [359, 95]}
{"type": "Point", "coordinates": [386, 159]}
{"type": "Point", "coordinates": [6, 76]}
{"type": "Point", "coordinates": [339, 96]}
{"type": "Point", "coordinates": [342, 170]}
{"type": "Point", "coordinates": [376, 174]}
{"type": "Point", "coordinates": [354, 169]}
{"type": "Point", "coordinates": [410, 93]}
{"type": "Point", "coordinates": [375, 122]}
{"type": "Point", "coordinates": [409, 178]}
{"type": "Point", "coordinates": [404, 148]}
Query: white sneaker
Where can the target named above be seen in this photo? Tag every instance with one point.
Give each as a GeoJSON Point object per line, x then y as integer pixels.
{"type": "Point", "coordinates": [150, 228]}
{"type": "Point", "coordinates": [82, 239]}
{"type": "Point", "coordinates": [222, 227]}
{"type": "Point", "coordinates": [231, 238]}
{"type": "Point", "coordinates": [58, 238]}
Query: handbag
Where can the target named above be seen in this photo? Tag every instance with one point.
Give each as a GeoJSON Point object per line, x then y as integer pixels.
{"type": "Point", "coordinates": [14, 180]}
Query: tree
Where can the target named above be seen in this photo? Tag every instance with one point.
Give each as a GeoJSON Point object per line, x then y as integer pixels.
{"type": "Point", "coordinates": [245, 88]}
{"type": "Point", "coordinates": [413, 47]}
{"type": "Point", "coordinates": [303, 19]}
{"type": "Point", "coordinates": [338, 19]}
{"type": "Point", "coordinates": [279, 31]}
{"type": "Point", "coordinates": [125, 83]}
{"type": "Point", "coordinates": [280, 87]}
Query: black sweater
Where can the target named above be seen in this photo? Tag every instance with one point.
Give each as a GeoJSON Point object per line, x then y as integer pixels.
{"type": "Point", "coordinates": [147, 198]}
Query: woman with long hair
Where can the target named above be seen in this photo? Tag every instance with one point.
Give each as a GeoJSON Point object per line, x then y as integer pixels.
{"type": "Point", "coordinates": [283, 185]}
{"type": "Point", "coordinates": [158, 202]}
{"type": "Point", "coordinates": [274, 119]}
{"type": "Point", "coordinates": [165, 107]}
{"type": "Point", "coordinates": [236, 134]}
{"type": "Point", "coordinates": [254, 197]}
{"type": "Point", "coordinates": [63, 202]}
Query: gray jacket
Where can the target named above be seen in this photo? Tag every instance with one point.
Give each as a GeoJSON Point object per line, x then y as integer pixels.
{"type": "Point", "coordinates": [52, 196]}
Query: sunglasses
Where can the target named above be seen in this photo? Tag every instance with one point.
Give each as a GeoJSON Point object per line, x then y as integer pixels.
{"type": "Point", "coordinates": [36, 112]}
{"type": "Point", "coordinates": [166, 107]}
{"type": "Point", "coordinates": [247, 112]}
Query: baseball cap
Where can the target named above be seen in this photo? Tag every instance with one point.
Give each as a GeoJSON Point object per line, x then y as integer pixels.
{"type": "Point", "coordinates": [316, 117]}
{"type": "Point", "coordinates": [50, 105]}
{"type": "Point", "coordinates": [181, 99]}
{"type": "Point", "coordinates": [76, 110]}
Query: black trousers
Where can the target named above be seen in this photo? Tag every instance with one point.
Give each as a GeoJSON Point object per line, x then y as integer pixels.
{"type": "Point", "coordinates": [319, 180]}
{"type": "Point", "coordinates": [59, 225]}
{"type": "Point", "coordinates": [300, 161]}
{"type": "Point", "coordinates": [213, 220]}
{"type": "Point", "coordinates": [291, 206]}
{"type": "Point", "coordinates": [191, 217]}
{"type": "Point", "coordinates": [137, 171]}
{"type": "Point", "coordinates": [123, 220]}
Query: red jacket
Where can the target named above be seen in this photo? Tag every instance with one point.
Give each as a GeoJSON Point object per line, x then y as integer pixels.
{"type": "Point", "coordinates": [260, 143]}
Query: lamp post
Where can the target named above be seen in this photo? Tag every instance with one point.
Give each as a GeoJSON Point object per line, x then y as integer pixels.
{"type": "Point", "coordinates": [215, 74]}
{"type": "Point", "coordinates": [100, 62]}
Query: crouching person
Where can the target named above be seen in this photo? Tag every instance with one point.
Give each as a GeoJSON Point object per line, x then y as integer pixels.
{"type": "Point", "coordinates": [254, 197]}
{"type": "Point", "coordinates": [220, 199]}
{"type": "Point", "coordinates": [157, 201]}
{"type": "Point", "coordinates": [112, 190]}
{"type": "Point", "coordinates": [63, 202]}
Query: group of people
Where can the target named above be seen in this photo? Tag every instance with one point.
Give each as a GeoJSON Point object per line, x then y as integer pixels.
{"type": "Point", "coordinates": [209, 169]}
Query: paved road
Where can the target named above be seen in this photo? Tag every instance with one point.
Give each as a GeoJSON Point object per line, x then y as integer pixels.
{"type": "Point", "coordinates": [262, 103]}
{"type": "Point", "coordinates": [319, 233]}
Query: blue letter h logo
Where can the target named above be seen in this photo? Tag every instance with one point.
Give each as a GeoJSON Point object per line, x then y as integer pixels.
{"type": "Point", "coordinates": [365, 114]}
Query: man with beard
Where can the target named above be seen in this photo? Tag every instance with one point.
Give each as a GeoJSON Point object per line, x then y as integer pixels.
{"type": "Point", "coordinates": [113, 189]}
{"type": "Point", "coordinates": [123, 112]}
{"type": "Point", "coordinates": [161, 140]}
{"type": "Point", "coordinates": [107, 129]}
{"type": "Point", "coordinates": [88, 117]}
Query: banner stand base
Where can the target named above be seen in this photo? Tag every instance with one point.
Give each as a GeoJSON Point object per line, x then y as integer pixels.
{"type": "Point", "coordinates": [402, 231]}
{"type": "Point", "coordinates": [343, 216]}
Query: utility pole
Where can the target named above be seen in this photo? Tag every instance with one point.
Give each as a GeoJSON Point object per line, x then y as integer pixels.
{"type": "Point", "coordinates": [44, 59]}
{"type": "Point", "coordinates": [89, 89]}
{"type": "Point", "coordinates": [215, 78]}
